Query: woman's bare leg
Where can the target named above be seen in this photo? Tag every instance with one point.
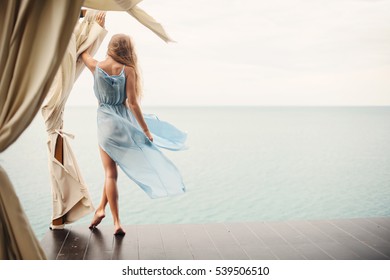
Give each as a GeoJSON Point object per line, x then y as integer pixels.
{"type": "Point", "coordinates": [110, 193]}
{"type": "Point", "coordinates": [100, 212]}
{"type": "Point", "coordinates": [59, 155]}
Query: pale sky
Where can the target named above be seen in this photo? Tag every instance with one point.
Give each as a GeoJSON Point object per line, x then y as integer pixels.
{"type": "Point", "coordinates": [257, 52]}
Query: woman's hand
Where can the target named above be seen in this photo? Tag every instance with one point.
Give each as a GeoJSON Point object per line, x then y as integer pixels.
{"type": "Point", "coordinates": [101, 18]}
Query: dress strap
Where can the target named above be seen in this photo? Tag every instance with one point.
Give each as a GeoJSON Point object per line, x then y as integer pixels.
{"type": "Point", "coordinates": [97, 66]}
{"type": "Point", "coordinates": [123, 70]}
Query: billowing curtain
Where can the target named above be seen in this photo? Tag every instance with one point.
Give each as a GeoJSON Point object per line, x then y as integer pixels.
{"type": "Point", "coordinates": [34, 36]}
{"type": "Point", "coordinates": [130, 7]}
{"type": "Point", "coordinates": [70, 197]}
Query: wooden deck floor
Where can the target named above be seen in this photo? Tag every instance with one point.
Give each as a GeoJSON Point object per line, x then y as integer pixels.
{"type": "Point", "coordinates": [367, 239]}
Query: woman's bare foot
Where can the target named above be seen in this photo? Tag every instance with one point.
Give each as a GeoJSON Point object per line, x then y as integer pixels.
{"type": "Point", "coordinates": [99, 216]}
{"type": "Point", "coordinates": [119, 231]}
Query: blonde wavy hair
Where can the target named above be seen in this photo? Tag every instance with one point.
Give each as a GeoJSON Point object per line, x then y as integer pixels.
{"type": "Point", "coordinates": [121, 49]}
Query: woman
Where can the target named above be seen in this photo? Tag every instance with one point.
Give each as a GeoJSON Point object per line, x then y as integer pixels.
{"type": "Point", "coordinates": [127, 137]}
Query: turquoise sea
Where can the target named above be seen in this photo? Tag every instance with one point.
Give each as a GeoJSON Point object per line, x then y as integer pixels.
{"type": "Point", "coordinates": [243, 164]}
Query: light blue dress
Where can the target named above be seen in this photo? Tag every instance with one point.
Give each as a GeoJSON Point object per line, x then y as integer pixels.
{"type": "Point", "coordinates": [122, 138]}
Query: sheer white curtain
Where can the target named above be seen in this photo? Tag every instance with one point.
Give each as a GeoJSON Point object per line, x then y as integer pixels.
{"type": "Point", "coordinates": [33, 38]}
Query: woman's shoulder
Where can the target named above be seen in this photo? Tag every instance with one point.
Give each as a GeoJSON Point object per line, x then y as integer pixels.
{"type": "Point", "coordinates": [129, 70]}
{"type": "Point", "coordinates": [112, 69]}
{"type": "Point", "coordinates": [89, 61]}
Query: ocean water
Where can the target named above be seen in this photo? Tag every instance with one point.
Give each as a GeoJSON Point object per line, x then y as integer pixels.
{"type": "Point", "coordinates": [243, 164]}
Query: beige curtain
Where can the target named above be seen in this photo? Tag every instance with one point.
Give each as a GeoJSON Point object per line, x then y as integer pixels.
{"type": "Point", "coordinates": [33, 39]}
{"type": "Point", "coordinates": [130, 7]}
{"type": "Point", "coordinates": [70, 196]}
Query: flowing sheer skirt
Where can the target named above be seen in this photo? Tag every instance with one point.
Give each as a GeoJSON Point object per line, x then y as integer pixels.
{"type": "Point", "coordinates": [120, 136]}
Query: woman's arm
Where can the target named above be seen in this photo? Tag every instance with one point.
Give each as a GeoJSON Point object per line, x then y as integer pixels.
{"type": "Point", "coordinates": [88, 60]}
{"type": "Point", "coordinates": [132, 101]}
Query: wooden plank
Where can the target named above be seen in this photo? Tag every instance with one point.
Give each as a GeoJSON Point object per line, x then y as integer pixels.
{"type": "Point", "coordinates": [285, 252]}
{"type": "Point", "coordinates": [75, 244]}
{"type": "Point", "coordinates": [310, 231]}
{"type": "Point", "coordinates": [364, 251]}
{"type": "Point", "coordinates": [220, 235]}
{"type": "Point", "coordinates": [356, 231]}
{"type": "Point", "coordinates": [126, 247]}
{"type": "Point", "coordinates": [244, 235]}
{"type": "Point", "coordinates": [257, 251]}
{"type": "Point", "coordinates": [381, 221]}
{"type": "Point", "coordinates": [197, 236]}
{"type": "Point", "coordinates": [311, 251]}
{"type": "Point", "coordinates": [152, 254]}
{"type": "Point", "coordinates": [382, 248]}
{"type": "Point", "coordinates": [233, 252]}
{"type": "Point", "coordinates": [330, 246]}
{"type": "Point", "coordinates": [225, 243]}
{"type": "Point", "coordinates": [101, 244]}
{"type": "Point", "coordinates": [173, 237]}
{"type": "Point", "coordinates": [150, 243]}
{"type": "Point", "coordinates": [175, 242]}
{"type": "Point", "coordinates": [274, 241]}
{"type": "Point", "coordinates": [338, 251]}
{"type": "Point", "coordinates": [179, 254]}
{"type": "Point", "coordinates": [200, 244]}
{"type": "Point", "coordinates": [364, 236]}
{"type": "Point", "coordinates": [335, 247]}
{"type": "Point", "coordinates": [205, 254]}
{"type": "Point", "coordinates": [53, 241]}
{"type": "Point", "coordinates": [288, 233]}
{"type": "Point", "coordinates": [373, 228]}
{"type": "Point", "coordinates": [332, 231]}
{"type": "Point", "coordinates": [266, 234]}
